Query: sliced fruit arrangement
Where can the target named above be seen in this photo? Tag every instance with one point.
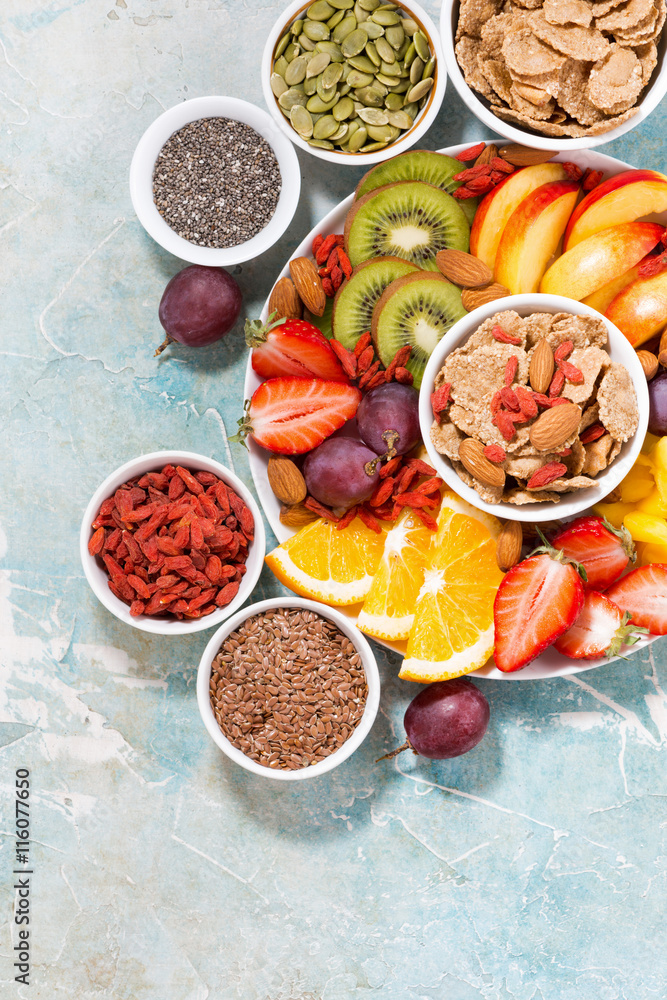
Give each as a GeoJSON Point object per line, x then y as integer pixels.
{"type": "Point", "coordinates": [601, 629]}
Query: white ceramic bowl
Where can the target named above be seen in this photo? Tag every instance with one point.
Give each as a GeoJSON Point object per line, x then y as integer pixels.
{"type": "Point", "coordinates": [619, 349]}
{"type": "Point", "coordinates": [481, 107]}
{"type": "Point", "coordinates": [98, 578]}
{"type": "Point", "coordinates": [362, 647]}
{"type": "Point", "coordinates": [146, 153]}
{"type": "Point", "coordinates": [424, 120]}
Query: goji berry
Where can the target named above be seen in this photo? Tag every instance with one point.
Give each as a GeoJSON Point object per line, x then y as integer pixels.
{"type": "Point", "coordinates": [398, 361]}
{"type": "Point", "coordinates": [317, 243]}
{"type": "Point", "coordinates": [431, 485]}
{"type": "Point", "coordinates": [510, 399]}
{"type": "Point", "coordinates": [497, 163]}
{"type": "Point", "coordinates": [651, 266]}
{"type": "Point", "coordinates": [505, 424]}
{"type": "Point", "coordinates": [462, 193]}
{"type": "Point", "coordinates": [591, 179]}
{"type": "Point", "coordinates": [511, 369]}
{"type": "Point", "coordinates": [416, 500]}
{"type": "Point", "coordinates": [504, 338]}
{"type": "Point", "coordinates": [324, 249]}
{"type": "Point", "coordinates": [564, 453]}
{"type": "Point", "coordinates": [328, 288]}
{"type": "Point", "coordinates": [440, 399]}
{"type": "Point", "coordinates": [479, 170]}
{"type": "Point", "coordinates": [336, 277]}
{"type": "Point", "coordinates": [362, 343]}
{"type": "Point", "coordinates": [546, 474]}
{"type": "Point", "coordinates": [574, 172]}
{"type": "Point", "coordinates": [496, 402]}
{"type": "Point", "coordinates": [96, 543]}
{"type": "Point", "coordinates": [480, 185]}
{"type": "Point", "coordinates": [404, 376]}
{"type": "Point", "coordinates": [379, 379]}
{"type": "Point", "coordinates": [592, 433]}
{"type": "Point", "coordinates": [370, 374]}
{"type": "Point", "coordinates": [423, 468]}
{"type": "Point", "coordinates": [426, 519]}
{"type": "Point", "coordinates": [382, 492]}
{"type": "Point", "coordinates": [365, 359]}
{"type": "Point", "coordinates": [318, 508]}
{"type": "Point", "coordinates": [369, 520]}
{"type": "Point", "coordinates": [406, 478]}
{"type": "Point", "coordinates": [346, 358]}
{"type": "Point", "coordinates": [563, 350]}
{"type": "Point", "coordinates": [344, 263]}
{"type": "Point", "coordinates": [526, 401]}
{"type": "Point", "coordinates": [390, 467]}
{"type": "Point", "coordinates": [571, 372]}
{"type": "Point", "coordinates": [347, 519]}
{"type": "Point", "coordinates": [471, 153]}
{"type": "Point", "coordinates": [176, 488]}
{"type": "Point", "coordinates": [495, 453]}
{"type": "Point", "coordinates": [557, 383]}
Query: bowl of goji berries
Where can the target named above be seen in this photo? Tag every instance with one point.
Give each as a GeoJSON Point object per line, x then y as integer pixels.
{"type": "Point", "coordinates": [533, 407]}
{"type": "Point", "coordinates": [172, 543]}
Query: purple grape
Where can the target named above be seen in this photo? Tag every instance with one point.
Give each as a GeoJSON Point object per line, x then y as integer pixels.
{"type": "Point", "coordinates": [335, 472]}
{"type": "Point", "coordinates": [657, 396]}
{"type": "Point", "coordinates": [391, 407]}
{"type": "Point", "coordinates": [199, 306]}
{"type": "Point", "coordinates": [446, 719]}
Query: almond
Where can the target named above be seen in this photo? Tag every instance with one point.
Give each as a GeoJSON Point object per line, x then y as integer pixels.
{"type": "Point", "coordinates": [542, 366]}
{"type": "Point", "coordinates": [284, 300]}
{"type": "Point", "coordinates": [296, 516]}
{"type": "Point", "coordinates": [471, 453]}
{"type": "Point", "coordinates": [463, 269]}
{"type": "Point", "coordinates": [524, 156]}
{"type": "Point", "coordinates": [649, 363]}
{"type": "Point", "coordinates": [285, 480]}
{"type": "Point", "coordinates": [508, 545]}
{"type": "Point", "coordinates": [473, 297]}
{"type": "Point", "coordinates": [487, 154]}
{"type": "Point", "coordinates": [308, 284]}
{"type": "Point", "coordinates": [553, 427]}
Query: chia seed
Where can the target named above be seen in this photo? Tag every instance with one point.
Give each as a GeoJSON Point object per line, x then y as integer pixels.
{"type": "Point", "coordinates": [216, 182]}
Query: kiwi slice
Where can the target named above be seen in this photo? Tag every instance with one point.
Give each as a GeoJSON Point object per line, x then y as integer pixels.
{"type": "Point", "coordinates": [418, 165]}
{"type": "Point", "coordinates": [417, 309]}
{"type": "Point", "coordinates": [409, 219]}
{"type": "Point", "coordinates": [355, 299]}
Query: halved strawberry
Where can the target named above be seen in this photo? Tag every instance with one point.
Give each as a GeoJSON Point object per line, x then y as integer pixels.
{"type": "Point", "coordinates": [293, 415]}
{"type": "Point", "coordinates": [603, 550]}
{"type": "Point", "coordinates": [291, 347]}
{"type": "Point", "coordinates": [600, 630]}
{"type": "Point", "coordinates": [537, 601]}
{"type": "Point", "coordinates": [643, 593]}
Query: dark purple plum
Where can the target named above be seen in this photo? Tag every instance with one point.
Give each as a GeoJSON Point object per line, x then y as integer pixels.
{"type": "Point", "coordinates": [199, 306]}
{"type": "Point", "coordinates": [389, 417]}
{"type": "Point", "coordinates": [335, 472]}
{"type": "Point", "coordinates": [657, 396]}
{"type": "Point", "coordinates": [445, 720]}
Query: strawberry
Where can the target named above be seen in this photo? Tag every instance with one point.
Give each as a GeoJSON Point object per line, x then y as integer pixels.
{"type": "Point", "coordinates": [643, 594]}
{"type": "Point", "coordinates": [293, 415]}
{"type": "Point", "coordinates": [603, 551]}
{"type": "Point", "coordinates": [600, 630]}
{"type": "Point", "coordinates": [537, 601]}
{"type": "Point", "coordinates": [291, 347]}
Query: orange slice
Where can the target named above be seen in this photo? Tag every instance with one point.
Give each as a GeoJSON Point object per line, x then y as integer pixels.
{"type": "Point", "coordinates": [332, 566]}
{"type": "Point", "coordinates": [388, 610]}
{"type": "Point", "coordinates": [452, 631]}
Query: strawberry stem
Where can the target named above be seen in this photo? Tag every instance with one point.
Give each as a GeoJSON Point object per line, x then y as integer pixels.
{"type": "Point", "coordinates": [626, 634]}
{"type": "Point", "coordinates": [256, 332]}
{"type": "Point", "coordinates": [245, 426]}
{"type": "Point", "coordinates": [625, 537]}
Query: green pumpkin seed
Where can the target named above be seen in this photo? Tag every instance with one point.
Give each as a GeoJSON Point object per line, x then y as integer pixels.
{"type": "Point", "coordinates": [347, 69]}
{"type": "Point", "coordinates": [393, 102]}
{"type": "Point", "coordinates": [344, 89]}
{"type": "Point", "coordinates": [373, 30]}
{"type": "Point", "coordinates": [416, 70]}
{"type": "Point", "coordinates": [411, 109]}
{"type": "Point", "coordinates": [296, 71]}
{"type": "Point", "coordinates": [310, 85]}
{"type": "Point", "coordinates": [420, 90]}
{"type": "Point", "coordinates": [385, 17]}
{"type": "Point", "coordinates": [354, 43]}
{"type": "Point", "coordinates": [345, 28]}
{"type": "Point", "coordinates": [335, 19]}
{"type": "Point", "coordinates": [332, 75]}
{"type": "Point", "coordinates": [340, 134]}
{"type": "Point", "coordinates": [316, 30]}
{"type": "Point", "coordinates": [320, 10]}
{"type": "Point", "coordinates": [400, 120]}
{"type": "Point", "coordinates": [400, 52]}
{"type": "Point", "coordinates": [342, 4]}
{"type": "Point", "coordinates": [400, 88]}
{"type": "Point", "coordinates": [362, 63]}
{"type": "Point", "coordinates": [372, 55]}
{"type": "Point", "coordinates": [372, 146]}
{"type": "Point", "coordinates": [357, 140]}
{"type": "Point", "coordinates": [357, 79]}
{"type": "Point", "coordinates": [428, 68]}
{"type": "Point", "coordinates": [352, 127]}
{"type": "Point", "coordinates": [395, 36]}
{"type": "Point", "coordinates": [374, 116]}
{"type": "Point", "coordinates": [307, 44]}
{"type": "Point", "coordinates": [292, 51]}
{"type": "Point", "coordinates": [383, 133]}
{"type": "Point", "coordinates": [369, 5]}
{"type": "Point", "coordinates": [360, 14]}
{"type": "Point", "coordinates": [316, 105]}
{"type": "Point", "coordinates": [278, 85]}
{"type": "Point", "coordinates": [422, 46]}
{"type": "Point", "coordinates": [325, 94]}
{"type": "Point", "coordinates": [280, 65]}
{"type": "Point", "coordinates": [409, 26]}
{"type": "Point", "coordinates": [371, 97]}
{"type": "Point", "coordinates": [297, 27]}
{"type": "Point", "coordinates": [386, 81]}
{"type": "Point", "coordinates": [320, 144]}
{"type": "Point", "coordinates": [385, 51]}
{"type": "Point", "coordinates": [410, 55]}
{"type": "Point", "coordinates": [390, 69]}
{"type": "Point", "coordinates": [331, 49]}
{"type": "Point", "coordinates": [282, 45]}
{"type": "Point", "coordinates": [343, 109]}
{"type": "Point", "coordinates": [325, 127]}
{"type": "Point", "coordinates": [301, 121]}
{"type": "Point", "coordinates": [291, 97]}
{"type": "Point", "coordinates": [317, 64]}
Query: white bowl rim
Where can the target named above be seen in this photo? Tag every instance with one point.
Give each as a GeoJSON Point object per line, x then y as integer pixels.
{"type": "Point", "coordinates": [400, 145]}
{"type": "Point", "coordinates": [154, 138]}
{"type": "Point", "coordinates": [654, 95]}
{"type": "Point", "coordinates": [580, 500]}
{"type": "Point", "coordinates": [154, 461]}
{"type": "Point", "coordinates": [370, 668]}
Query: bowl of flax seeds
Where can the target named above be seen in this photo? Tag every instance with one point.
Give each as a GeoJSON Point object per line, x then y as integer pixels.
{"type": "Point", "coordinates": [288, 688]}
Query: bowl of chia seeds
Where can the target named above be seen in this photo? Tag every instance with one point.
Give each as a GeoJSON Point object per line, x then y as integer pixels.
{"type": "Point", "coordinates": [354, 82]}
{"type": "Point", "coordinates": [214, 181]}
{"type": "Point", "coordinates": [288, 688]}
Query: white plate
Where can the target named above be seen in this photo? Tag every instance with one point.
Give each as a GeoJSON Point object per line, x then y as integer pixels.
{"type": "Point", "coordinates": [550, 663]}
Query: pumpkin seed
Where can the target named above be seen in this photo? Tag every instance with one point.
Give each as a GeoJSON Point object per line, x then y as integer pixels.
{"type": "Point", "coordinates": [395, 36]}
{"type": "Point", "coordinates": [342, 4]}
{"type": "Point", "coordinates": [320, 144]}
{"type": "Point", "coordinates": [420, 90]}
{"type": "Point", "coordinates": [360, 14]}
{"type": "Point", "coordinates": [307, 44]}
{"type": "Point", "coordinates": [278, 85]}
{"type": "Point", "coordinates": [325, 127]}
{"type": "Point", "coordinates": [344, 89]}
{"type": "Point", "coordinates": [428, 68]}
{"type": "Point", "coordinates": [400, 88]}
{"type": "Point", "coordinates": [371, 97]}
{"type": "Point", "coordinates": [410, 55]}
{"type": "Point", "coordinates": [343, 109]}
{"type": "Point", "coordinates": [297, 27]}
{"type": "Point", "coordinates": [340, 134]}
{"type": "Point", "coordinates": [310, 85]}
{"type": "Point", "coordinates": [290, 98]}
{"type": "Point", "coordinates": [385, 51]}
{"type": "Point", "coordinates": [325, 94]}
{"type": "Point", "coordinates": [357, 140]}
{"type": "Point", "coordinates": [422, 46]}
{"type": "Point", "coordinates": [379, 133]}
{"type": "Point", "coordinates": [317, 64]}
{"type": "Point", "coordinates": [282, 45]}
{"type": "Point", "coordinates": [369, 5]}
{"type": "Point", "coordinates": [374, 116]}
{"type": "Point", "coordinates": [373, 30]}
{"type": "Point", "coordinates": [409, 26]}
{"type": "Point", "coordinates": [400, 52]}
{"type": "Point", "coordinates": [390, 69]}
{"type": "Point", "coordinates": [335, 19]}
{"type": "Point", "coordinates": [352, 127]}
{"type": "Point", "coordinates": [318, 106]}
{"type": "Point", "coordinates": [345, 28]}
{"type": "Point", "coordinates": [386, 81]}
{"type": "Point", "coordinates": [372, 55]}
{"type": "Point", "coordinates": [320, 10]}
{"type": "Point", "coordinates": [357, 79]}
{"type": "Point", "coordinates": [362, 63]}
{"type": "Point", "coordinates": [347, 69]}
{"type": "Point", "coordinates": [280, 65]}
{"type": "Point", "coordinates": [393, 102]}
{"type": "Point", "coordinates": [301, 121]}
{"type": "Point", "coordinates": [354, 43]}
{"type": "Point", "coordinates": [385, 17]}
{"type": "Point", "coordinates": [316, 30]}
{"type": "Point", "coordinates": [296, 71]}
{"type": "Point", "coordinates": [292, 51]}
{"type": "Point", "coordinates": [416, 70]}
{"type": "Point", "coordinates": [411, 109]}
{"type": "Point", "coordinates": [331, 49]}
{"type": "Point", "coordinates": [331, 75]}
{"type": "Point", "coordinates": [399, 119]}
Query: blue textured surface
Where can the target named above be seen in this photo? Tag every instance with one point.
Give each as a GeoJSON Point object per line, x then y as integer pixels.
{"type": "Point", "coordinates": [531, 869]}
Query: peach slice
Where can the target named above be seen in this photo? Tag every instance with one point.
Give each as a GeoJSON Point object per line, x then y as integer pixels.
{"type": "Point", "coordinates": [532, 235]}
{"type": "Point", "coordinates": [625, 197]}
{"type": "Point", "coordinates": [599, 259]}
{"type": "Point", "coordinates": [496, 208]}
{"type": "Point", "coordinates": [601, 297]}
{"type": "Point", "coordinates": [640, 309]}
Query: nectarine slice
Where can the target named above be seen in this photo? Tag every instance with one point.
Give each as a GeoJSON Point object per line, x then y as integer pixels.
{"type": "Point", "coordinates": [640, 310]}
{"type": "Point", "coordinates": [625, 197]}
{"type": "Point", "coordinates": [602, 297]}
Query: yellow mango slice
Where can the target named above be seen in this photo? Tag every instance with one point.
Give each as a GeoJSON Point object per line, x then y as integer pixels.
{"type": "Point", "coordinates": [646, 528]}
{"type": "Point", "coordinates": [614, 512]}
{"type": "Point", "coordinates": [653, 503]}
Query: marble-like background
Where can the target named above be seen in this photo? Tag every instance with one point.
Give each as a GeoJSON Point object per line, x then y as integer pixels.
{"type": "Point", "coordinates": [531, 869]}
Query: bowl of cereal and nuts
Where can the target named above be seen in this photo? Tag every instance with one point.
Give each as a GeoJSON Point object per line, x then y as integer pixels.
{"type": "Point", "coordinates": [557, 74]}
{"type": "Point", "coordinates": [353, 82]}
{"type": "Point", "coordinates": [288, 688]}
{"type": "Point", "coordinates": [533, 407]}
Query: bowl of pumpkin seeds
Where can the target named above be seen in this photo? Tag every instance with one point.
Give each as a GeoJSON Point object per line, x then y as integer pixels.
{"type": "Point", "coordinates": [354, 81]}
